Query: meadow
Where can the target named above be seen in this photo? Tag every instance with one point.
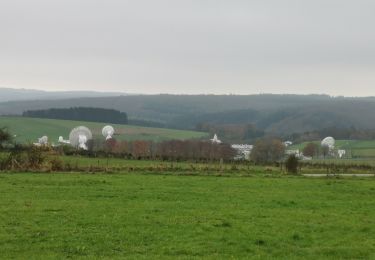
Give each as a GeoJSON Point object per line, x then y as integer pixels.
{"type": "Point", "coordinates": [138, 216]}
{"type": "Point", "coordinates": [116, 208]}
{"type": "Point", "coordinates": [29, 129]}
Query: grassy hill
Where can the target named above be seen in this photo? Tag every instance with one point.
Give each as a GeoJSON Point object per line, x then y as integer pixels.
{"type": "Point", "coordinates": [29, 129]}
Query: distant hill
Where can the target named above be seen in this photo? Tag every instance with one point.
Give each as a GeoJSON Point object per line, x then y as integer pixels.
{"type": "Point", "coordinates": [10, 94]}
{"type": "Point", "coordinates": [29, 129]}
{"type": "Point", "coordinates": [281, 114]}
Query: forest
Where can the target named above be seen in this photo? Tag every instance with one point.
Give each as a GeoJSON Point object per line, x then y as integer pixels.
{"type": "Point", "coordinates": [89, 114]}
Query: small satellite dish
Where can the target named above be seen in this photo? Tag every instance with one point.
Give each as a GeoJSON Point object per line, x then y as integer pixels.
{"type": "Point", "coordinates": [79, 137]}
{"type": "Point", "coordinates": [42, 141]}
{"type": "Point", "coordinates": [328, 142]}
{"type": "Point", "coordinates": [108, 132]}
{"type": "Point", "coordinates": [63, 141]}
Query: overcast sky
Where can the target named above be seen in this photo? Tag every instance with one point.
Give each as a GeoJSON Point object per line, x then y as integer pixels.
{"type": "Point", "coordinates": [189, 46]}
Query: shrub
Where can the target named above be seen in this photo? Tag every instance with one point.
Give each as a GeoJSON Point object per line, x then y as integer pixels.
{"type": "Point", "coordinates": [291, 164]}
{"type": "Point", "coordinates": [56, 164]}
{"type": "Point", "coordinates": [36, 156]}
{"type": "Point", "coordinates": [5, 137]}
{"type": "Point", "coordinates": [24, 158]}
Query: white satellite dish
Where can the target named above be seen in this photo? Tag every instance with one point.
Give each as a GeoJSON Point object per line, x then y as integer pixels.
{"type": "Point", "coordinates": [108, 132]}
{"type": "Point", "coordinates": [42, 141]}
{"type": "Point", "coordinates": [79, 137]}
{"type": "Point", "coordinates": [328, 142]}
{"type": "Point", "coordinates": [63, 141]}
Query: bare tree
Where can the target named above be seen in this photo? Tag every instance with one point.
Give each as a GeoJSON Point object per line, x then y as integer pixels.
{"type": "Point", "coordinates": [311, 149]}
{"type": "Point", "coordinates": [267, 150]}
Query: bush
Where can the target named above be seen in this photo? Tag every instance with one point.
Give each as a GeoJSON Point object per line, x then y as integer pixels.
{"type": "Point", "coordinates": [24, 158]}
{"type": "Point", "coordinates": [291, 164]}
{"type": "Point", "coordinates": [56, 164]}
{"type": "Point", "coordinates": [5, 137]}
{"type": "Point", "coordinates": [4, 161]}
{"type": "Point", "coordinates": [36, 156]}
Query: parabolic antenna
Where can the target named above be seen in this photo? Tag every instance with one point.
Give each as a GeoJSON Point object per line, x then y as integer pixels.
{"type": "Point", "coordinates": [328, 142]}
{"type": "Point", "coordinates": [43, 140]}
{"type": "Point", "coordinates": [79, 137]}
{"type": "Point", "coordinates": [61, 140]}
{"type": "Point", "coordinates": [108, 131]}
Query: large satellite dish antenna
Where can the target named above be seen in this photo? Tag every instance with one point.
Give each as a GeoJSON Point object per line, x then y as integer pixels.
{"type": "Point", "coordinates": [79, 137]}
{"type": "Point", "coordinates": [108, 132]}
{"type": "Point", "coordinates": [328, 142]}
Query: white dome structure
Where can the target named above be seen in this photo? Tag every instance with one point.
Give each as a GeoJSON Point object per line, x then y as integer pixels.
{"type": "Point", "coordinates": [328, 142]}
{"type": "Point", "coordinates": [79, 137]}
{"type": "Point", "coordinates": [108, 132]}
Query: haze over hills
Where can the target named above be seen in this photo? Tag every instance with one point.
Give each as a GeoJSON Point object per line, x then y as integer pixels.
{"type": "Point", "coordinates": [11, 94]}
{"type": "Point", "coordinates": [282, 114]}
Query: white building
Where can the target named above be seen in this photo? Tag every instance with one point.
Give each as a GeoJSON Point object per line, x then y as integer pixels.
{"type": "Point", "coordinates": [288, 143]}
{"type": "Point", "coordinates": [341, 153]}
{"type": "Point", "coordinates": [243, 151]}
{"type": "Point", "coordinates": [215, 140]}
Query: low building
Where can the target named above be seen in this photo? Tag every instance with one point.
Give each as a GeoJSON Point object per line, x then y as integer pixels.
{"type": "Point", "coordinates": [288, 143]}
{"type": "Point", "coordinates": [341, 153]}
{"type": "Point", "coordinates": [216, 140]}
{"type": "Point", "coordinates": [243, 151]}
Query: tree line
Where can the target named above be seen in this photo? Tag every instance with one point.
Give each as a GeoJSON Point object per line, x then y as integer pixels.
{"type": "Point", "coordinates": [167, 150]}
{"type": "Point", "coordinates": [90, 114]}
{"type": "Point", "coordinates": [232, 132]}
{"type": "Point", "coordinates": [267, 150]}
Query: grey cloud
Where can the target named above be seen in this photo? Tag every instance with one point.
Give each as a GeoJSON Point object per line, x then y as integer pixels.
{"type": "Point", "coordinates": [189, 46]}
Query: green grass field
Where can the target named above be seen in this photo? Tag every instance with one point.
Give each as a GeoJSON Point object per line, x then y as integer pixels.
{"type": "Point", "coordinates": [29, 129]}
{"type": "Point", "coordinates": [132, 216]}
